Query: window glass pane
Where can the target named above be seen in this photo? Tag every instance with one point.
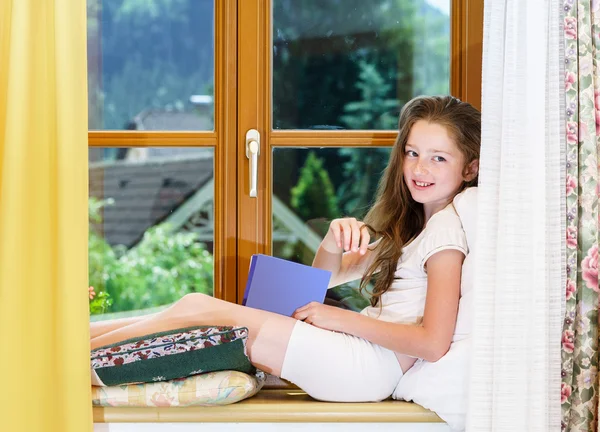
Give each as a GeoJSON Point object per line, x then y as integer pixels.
{"type": "Point", "coordinates": [151, 227]}
{"type": "Point", "coordinates": [352, 64]}
{"type": "Point", "coordinates": [313, 186]}
{"type": "Point", "coordinates": [150, 64]}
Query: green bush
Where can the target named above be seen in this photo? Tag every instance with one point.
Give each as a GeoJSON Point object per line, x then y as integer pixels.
{"type": "Point", "coordinates": [313, 200]}
{"type": "Point", "coordinates": [159, 270]}
{"type": "Point", "coordinates": [314, 196]}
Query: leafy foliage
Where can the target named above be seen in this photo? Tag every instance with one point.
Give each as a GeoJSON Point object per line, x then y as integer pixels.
{"type": "Point", "coordinates": [373, 110]}
{"type": "Point", "coordinates": [313, 196]}
{"type": "Point", "coordinates": [162, 268]}
{"type": "Point", "coordinates": [100, 303]}
{"type": "Point", "coordinates": [314, 201]}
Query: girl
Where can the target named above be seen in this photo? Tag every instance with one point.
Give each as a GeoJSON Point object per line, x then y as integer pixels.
{"type": "Point", "coordinates": [339, 355]}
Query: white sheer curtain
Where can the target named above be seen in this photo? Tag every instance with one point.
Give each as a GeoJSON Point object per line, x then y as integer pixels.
{"type": "Point", "coordinates": [520, 276]}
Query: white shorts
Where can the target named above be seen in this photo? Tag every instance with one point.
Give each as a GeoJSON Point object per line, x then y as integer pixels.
{"type": "Point", "coordinates": [337, 367]}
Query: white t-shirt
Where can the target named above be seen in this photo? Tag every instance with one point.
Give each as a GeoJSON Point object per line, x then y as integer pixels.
{"type": "Point", "coordinates": [404, 301]}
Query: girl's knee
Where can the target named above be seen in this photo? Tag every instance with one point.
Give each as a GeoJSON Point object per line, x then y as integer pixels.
{"type": "Point", "coordinates": [189, 305]}
{"type": "Point", "coordinates": [194, 299]}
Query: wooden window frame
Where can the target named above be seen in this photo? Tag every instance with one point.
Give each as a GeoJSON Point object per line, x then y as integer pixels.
{"type": "Point", "coordinates": [225, 130]}
{"type": "Point", "coordinates": [233, 240]}
{"type": "Point", "coordinates": [466, 50]}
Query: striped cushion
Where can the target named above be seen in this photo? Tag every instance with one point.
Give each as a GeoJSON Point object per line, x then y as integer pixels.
{"type": "Point", "coordinates": [210, 389]}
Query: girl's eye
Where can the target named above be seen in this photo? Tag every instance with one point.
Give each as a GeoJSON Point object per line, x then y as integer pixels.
{"type": "Point", "coordinates": [439, 159]}
{"type": "Point", "coordinates": [411, 153]}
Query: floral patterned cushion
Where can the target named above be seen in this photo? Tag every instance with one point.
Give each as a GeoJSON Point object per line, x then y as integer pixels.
{"type": "Point", "coordinates": [214, 388]}
{"type": "Point", "coordinates": [172, 354]}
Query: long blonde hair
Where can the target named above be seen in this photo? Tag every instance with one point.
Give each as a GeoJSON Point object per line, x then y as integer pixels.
{"type": "Point", "coordinates": [396, 218]}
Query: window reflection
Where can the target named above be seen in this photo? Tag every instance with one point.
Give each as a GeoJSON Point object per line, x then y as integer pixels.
{"type": "Point", "coordinates": [151, 226]}
{"type": "Point", "coordinates": [352, 64]}
{"type": "Point", "coordinates": [150, 64]}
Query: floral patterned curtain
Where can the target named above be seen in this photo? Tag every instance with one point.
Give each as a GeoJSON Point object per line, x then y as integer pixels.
{"type": "Point", "coordinates": [579, 388]}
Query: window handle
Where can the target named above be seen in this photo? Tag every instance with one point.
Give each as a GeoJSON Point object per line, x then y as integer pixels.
{"type": "Point", "coordinates": [252, 152]}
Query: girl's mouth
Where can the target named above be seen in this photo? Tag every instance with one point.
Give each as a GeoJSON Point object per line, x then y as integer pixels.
{"type": "Point", "coordinates": [422, 185]}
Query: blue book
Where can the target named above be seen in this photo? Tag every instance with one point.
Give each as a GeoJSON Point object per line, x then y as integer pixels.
{"type": "Point", "coordinates": [281, 286]}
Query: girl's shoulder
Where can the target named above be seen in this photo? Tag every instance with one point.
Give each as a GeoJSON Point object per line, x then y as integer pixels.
{"type": "Point", "coordinates": [445, 219]}
{"type": "Point", "coordinates": [443, 231]}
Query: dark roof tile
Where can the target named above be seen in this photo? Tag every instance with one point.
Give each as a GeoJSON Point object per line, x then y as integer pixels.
{"type": "Point", "coordinates": [144, 193]}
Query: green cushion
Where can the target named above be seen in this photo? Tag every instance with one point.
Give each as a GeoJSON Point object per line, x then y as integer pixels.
{"type": "Point", "coordinates": [172, 354]}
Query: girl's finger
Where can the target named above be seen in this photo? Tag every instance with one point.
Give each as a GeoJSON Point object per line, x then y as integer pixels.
{"type": "Point", "coordinates": [335, 229]}
{"type": "Point", "coordinates": [346, 235]}
{"type": "Point", "coordinates": [355, 236]}
{"type": "Point", "coordinates": [303, 308]}
{"type": "Point", "coordinates": [299, 315]}
{"type": "Point", "coordinates": [364, 239]}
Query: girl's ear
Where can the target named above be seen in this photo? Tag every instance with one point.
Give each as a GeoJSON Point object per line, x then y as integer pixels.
{"type": "Point", "coordinates": [471, 170]}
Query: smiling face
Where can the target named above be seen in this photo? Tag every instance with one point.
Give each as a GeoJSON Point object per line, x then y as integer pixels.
{"type": "Point", "coordinates": [433, 166]}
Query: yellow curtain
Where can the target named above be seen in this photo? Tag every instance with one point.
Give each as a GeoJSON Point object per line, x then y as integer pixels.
{"type": "Point", "coordinates": [44, 330]}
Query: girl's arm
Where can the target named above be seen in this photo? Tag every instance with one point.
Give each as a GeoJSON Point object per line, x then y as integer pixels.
{"type": "Point", "coordinates": [429, 341]}
{"type": "Point", "coordinates": [345, 235]}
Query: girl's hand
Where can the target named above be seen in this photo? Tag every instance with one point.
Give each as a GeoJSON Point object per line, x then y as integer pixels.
{"type": "Point", "coordinates": [347, 234]}
{"type": "Point", "coordinates": [323, 316]}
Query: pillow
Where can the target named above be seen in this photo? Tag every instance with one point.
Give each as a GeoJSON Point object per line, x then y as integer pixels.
{"type": "Point", "coordinates": [210, 389]}
{"type": "Point", "coordinates": [465, 204]}
{"type": "Point", "coordinates": [171, 354]}
{"type": "Point", "coordinates": [443, 386]}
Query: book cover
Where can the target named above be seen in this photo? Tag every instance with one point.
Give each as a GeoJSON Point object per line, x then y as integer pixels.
{"type": "Point", "coordinates": [281, 286]}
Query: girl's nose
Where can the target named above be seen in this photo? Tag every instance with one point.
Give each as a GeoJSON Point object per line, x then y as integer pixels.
{"type": "Point", "coordinates": [420, 169]}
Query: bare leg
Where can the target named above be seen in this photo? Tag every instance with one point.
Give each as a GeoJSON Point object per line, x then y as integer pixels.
{"type": "Point", "coordinates": [98, 328]}
{"type": "Point", "coordinates": [268, 333]}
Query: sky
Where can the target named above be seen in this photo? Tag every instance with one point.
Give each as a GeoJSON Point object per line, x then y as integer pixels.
{"type": "Point", "coordinates": [443, 5]}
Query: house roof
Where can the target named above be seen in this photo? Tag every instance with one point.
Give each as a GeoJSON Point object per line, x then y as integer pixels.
{"type": "Point", "coordinates": [145, 193]}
